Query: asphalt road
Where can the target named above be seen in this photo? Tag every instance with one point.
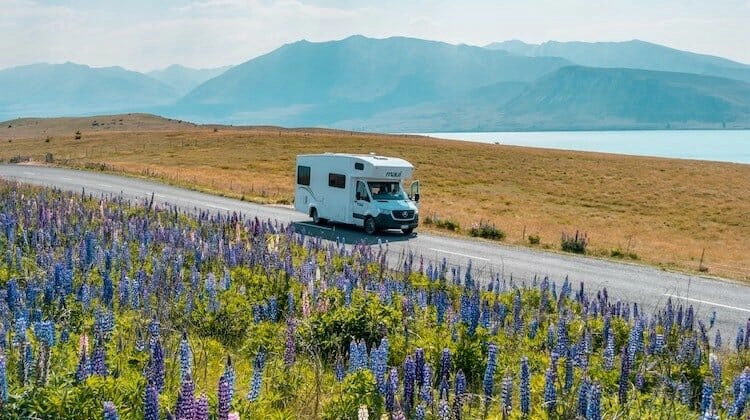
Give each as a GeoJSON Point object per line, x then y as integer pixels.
{"type": "Point", "coordinates": [648, 286]}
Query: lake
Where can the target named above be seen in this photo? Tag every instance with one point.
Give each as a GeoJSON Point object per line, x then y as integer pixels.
{"type": "Point", "coordinates": [715, 145]}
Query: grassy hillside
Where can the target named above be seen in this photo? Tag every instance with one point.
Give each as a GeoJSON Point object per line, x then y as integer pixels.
{"type": "Point", "coordinates": [665, 211]}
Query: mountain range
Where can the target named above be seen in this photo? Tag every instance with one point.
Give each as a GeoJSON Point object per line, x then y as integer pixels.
{"type": "Point", "coordinates": [406, 84]}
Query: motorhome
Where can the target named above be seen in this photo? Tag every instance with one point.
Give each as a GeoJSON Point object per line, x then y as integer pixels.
{"type": "Point", "coordinates": [361, 190]}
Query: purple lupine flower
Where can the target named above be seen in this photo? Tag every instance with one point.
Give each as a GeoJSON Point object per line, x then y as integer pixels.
{"type": "Point", "coordinates": [84, 365]}
{"type": "Point", "coordinates": [550, 392]}
{"type": "Point", "coordinates": [186, 358]}
{"type": "Point", "coordinates": [151, 404]}
{"type": "Point", "coordinates": [593, 410]}
{"type": "Point", "coordinates": [201, 408]}
{"type": "Point", "coordinates": [525, 387]}
{"type": "Point", "coordinates": [391, 389]}
{"type": "Point", "coordinates": [186, 399]}
{"type": "Point", "coordinates": [110, 411]}
{"type": "Point", "coordinates": [290, 350]}
{"type": "Point", "coordinates": [378, 364]}
{"type": "Point", "coordinates": [25, 363]}
{"type": "Point", "coordinates": [489, 373]}
{"type": "Point", "coordinates": [517, 319]}
{"type": "Point", "coordinates": [409, 378]}
{"type": "Point", "coordinates": [507, 395]}
{"type": "Point", "coordinates": [224, 401]}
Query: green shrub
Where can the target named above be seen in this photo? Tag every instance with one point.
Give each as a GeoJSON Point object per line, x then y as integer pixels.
{"type": "Point", "coordinates": [534, 239]}
{"type": "Point", "coordinates": [487, 231]}
{"type": "Point", "coordinates": [576, 243]}
{"type": "Point", "coordinates": [439, 223]}
{"type": "Point", "coordinates": [358, 389]}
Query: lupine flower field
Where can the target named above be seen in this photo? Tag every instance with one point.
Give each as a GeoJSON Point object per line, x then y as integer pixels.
{"type": "Point", "coordinates": [118, 310]}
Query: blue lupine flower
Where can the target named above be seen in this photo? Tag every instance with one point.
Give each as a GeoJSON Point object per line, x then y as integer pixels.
{"type": "Point", "coordinates": [420, 411]}
{"type": "Point", "coordinates": [525, 387]}
{"type": "Point", "coordinates": [3, 380]}
{"type": "Point", "coordinates": [186, 358]}
{"type": "Point", "coordinates": [409, 378]}
{"type": "Point", "coordinates": [151, 405]}
{"type": "Point", "coordinates": [110, 411]}
{"type": "Point", "coordinates": [583, 397]}
{"type": "Point", "coordinates": [418, 365]}
{"type": "Point", "coordinates": [425, 392]}
{"type": "Point", "coordinates": [593, 410]}
{"type": "Point", "coordinates": [507, 394]}
{"type": "Point", "coordinates": [706, 396]}
{"type": "Point", "coordinates": [715, 365]}
{"type": "Point", "coordinates": [257, 380]}
{"type": "Point", "coordinates": [622, 392]}
{"type": "Point", "coordinates": [489, 372]}
{"type": "Point", "coordinates": [339, 369]}
{"type": "Point", "coordinates": [391, 389]}
{"type": "Point", "coordinates": [98, 359]}
{"type": "Point", "coordinates": [550, 392]}
{"type": "Point", "coordinates": [609, 353]}
{"type": "Point", "coordinates": [230, 375]}
{"type": "Point", "coordinates": [444, 412]}
{"type": "Point", "coordinates": [568, 384]}
{"type": "Point", "coordinates": [740, 339]}
{"type": "Point", "coordinates": [155, 368]}
{"type": "Point", "coordinates": [717, 339]}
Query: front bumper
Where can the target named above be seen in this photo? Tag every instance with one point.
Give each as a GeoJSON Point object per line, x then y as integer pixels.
{"type": "Point", "coordinates": [386, 221]}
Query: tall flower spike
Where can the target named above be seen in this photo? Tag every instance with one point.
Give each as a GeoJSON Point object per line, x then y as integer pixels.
{"type": "Point", "coordinates": [224, 402]}
{"type": "Point", "coordinates": [151, 404]}
{"type": "Point", "coordinates": [110, 411]}
{"type": "Point", "coordinates": [186, 358]}
{"type": "Point", "coordinates": [489, 372]}
{"type": "Point", "coordinates": [201, 408]}
{"type": "Point", "coordinates": [525, 389]}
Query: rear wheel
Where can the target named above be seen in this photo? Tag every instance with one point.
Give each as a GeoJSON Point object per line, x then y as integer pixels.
{"type": "Point", "coordinates": [316, 219]}
{"type": "Point", "coordinates": [370, 225]}
{"type": "Point", "coordinates": [407, 231]}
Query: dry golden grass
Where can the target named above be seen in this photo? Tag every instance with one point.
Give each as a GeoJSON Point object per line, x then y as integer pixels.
{"type": "Point", "coordinates": [664, 210]}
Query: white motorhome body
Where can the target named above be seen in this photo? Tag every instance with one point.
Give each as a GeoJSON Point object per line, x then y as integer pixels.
{"type": "Point", "coordinates": [362, 190]}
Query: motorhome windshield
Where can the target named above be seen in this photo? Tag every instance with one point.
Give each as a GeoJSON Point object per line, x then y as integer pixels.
{"type": "Point", "coordinates": [386, 191]}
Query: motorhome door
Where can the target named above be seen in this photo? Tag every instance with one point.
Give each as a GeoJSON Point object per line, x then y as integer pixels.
{"type": "Point", "coordinates": [361, 203]}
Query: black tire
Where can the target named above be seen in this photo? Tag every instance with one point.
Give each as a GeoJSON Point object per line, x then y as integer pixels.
{"type": "Point", "coordinates": [316, 219]}
{"type": "Point", "coordinates": [407, 231]}
{"type": "Point", "coordinates": [370, 227]}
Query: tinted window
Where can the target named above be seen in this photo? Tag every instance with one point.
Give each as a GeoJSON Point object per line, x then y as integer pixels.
{"type": "Point", "coordinates": [303, 175]}
{"type": "Point", "coordinates": [359, 165]}
{"type": "Point", "coordinates": [336, 180]}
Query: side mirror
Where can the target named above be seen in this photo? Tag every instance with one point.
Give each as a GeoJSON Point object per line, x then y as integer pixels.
{"type": "Point", "coordinates": [416, 197]}
{"type": "Point", "coordinates": [358, 196]}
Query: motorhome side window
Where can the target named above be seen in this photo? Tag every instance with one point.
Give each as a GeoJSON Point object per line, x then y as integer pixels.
{"type": "Point", "coordinates": [337, 180]}
{"type": "Point", "coordinates": [359, 166]}
{"type": "Point", "coordinates": [303, 175]}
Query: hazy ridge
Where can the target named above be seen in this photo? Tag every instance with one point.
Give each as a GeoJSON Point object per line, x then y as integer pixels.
{"type": "Point", "coordinates": [406, 84]}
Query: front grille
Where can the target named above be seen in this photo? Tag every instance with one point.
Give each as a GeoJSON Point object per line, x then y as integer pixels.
{"type": "Point", "coordinates": [403, 214]}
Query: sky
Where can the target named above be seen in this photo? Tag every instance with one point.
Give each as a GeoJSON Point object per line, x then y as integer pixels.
{"type": "Point", "coordinates": [146, 35]}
